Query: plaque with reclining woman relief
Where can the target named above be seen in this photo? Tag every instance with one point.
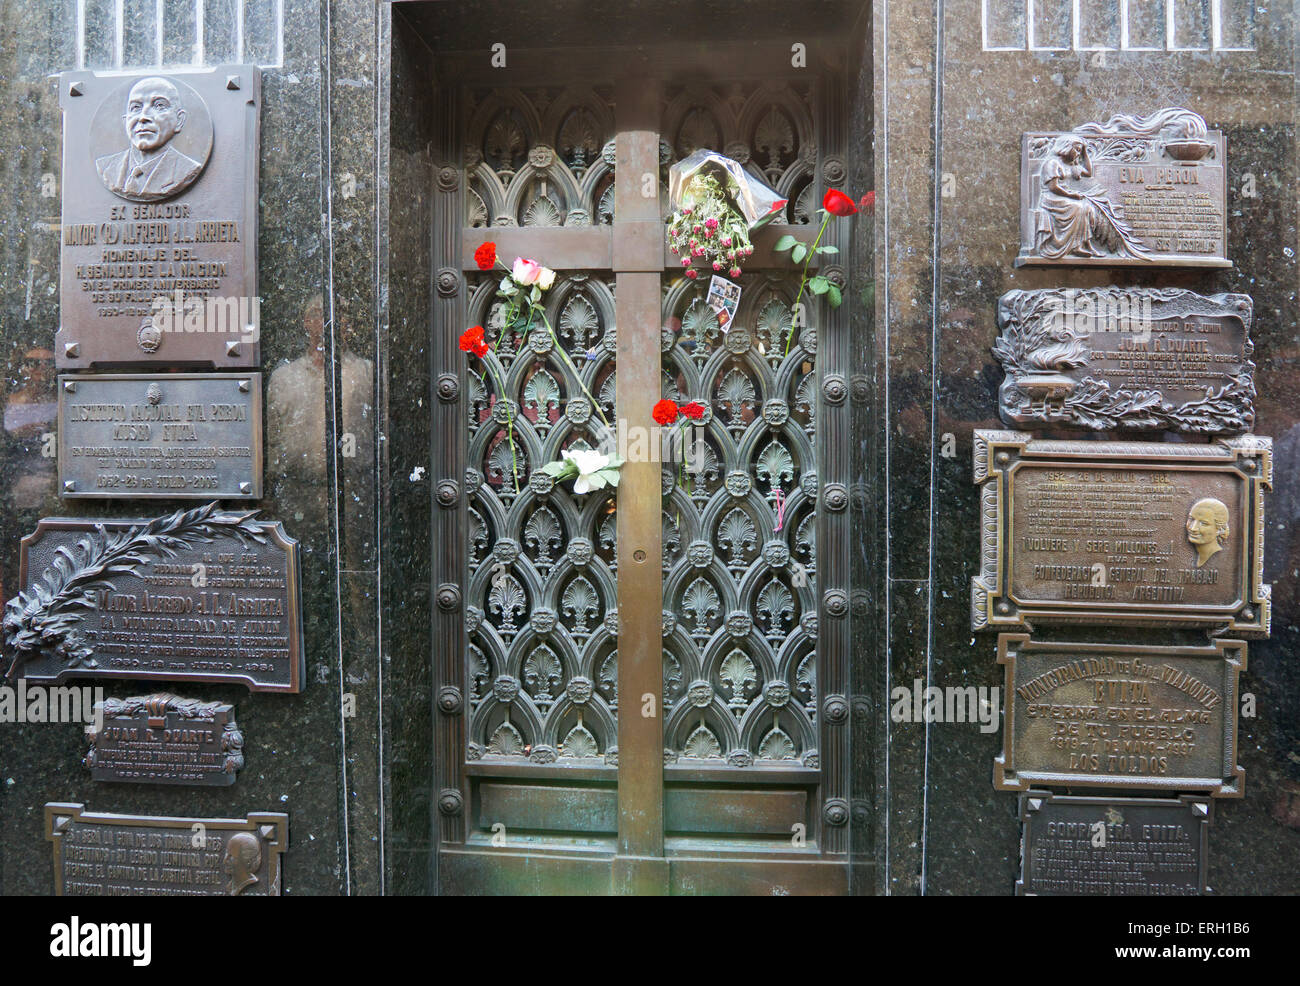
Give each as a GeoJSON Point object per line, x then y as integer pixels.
{"type": "Point", "coordinates": [1130, 533]}
{"type": "Point", "coordinates": [198, 595]}
{"type": "Point", "coordinates": [1076, 846]}
{"type": "Point", "coordinates": [1147, 717]}
{"type": "Point", "coordinates": [1135, 191]}
{"type": "Point", "coordinates": [159, 231]}
{"type": "Point", "coordinates": [1127, 359]}
{"type": "Point", "coordinates": [103, 855]}
{"type": "Point", "coordinates": [164, 739]}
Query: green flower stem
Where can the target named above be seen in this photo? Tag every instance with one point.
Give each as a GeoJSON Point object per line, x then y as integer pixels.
{"type": "Point", "coordinates": [510, 425]}
{"type": "Point", "coordinates": [682, 471]}
{"type": "Point", "coordinates": [565, 356]}
{"type": "Point", "coordinates": [803, 280]}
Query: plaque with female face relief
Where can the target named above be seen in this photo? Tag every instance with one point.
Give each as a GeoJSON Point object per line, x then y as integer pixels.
{"type": "Point", "coordinates": [1136, 533]}
{"type": "Point", "coordinates": [159, 231]}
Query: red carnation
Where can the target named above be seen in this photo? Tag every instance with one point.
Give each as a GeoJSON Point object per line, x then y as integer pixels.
{"type": "Point", "coordinates": [486, 256]}
{"type": "Point", "coordinates": [665, 412]}
{"type": "Point", "coordinates": [694, 410]}
{"type": "Point", "coordinates": [868, 203]}
{"type": "Point", "coordinates": [838, 204]}
{"type": "Point", "coordinates": [472, 341]}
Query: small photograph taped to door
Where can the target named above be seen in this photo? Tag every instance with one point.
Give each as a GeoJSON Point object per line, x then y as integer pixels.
{"type": "Point", "coordinates": [724, 298]}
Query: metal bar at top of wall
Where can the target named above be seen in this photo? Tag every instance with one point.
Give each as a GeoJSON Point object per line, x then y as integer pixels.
{"type": "Point", "coordinates": [245, 34]}
{"type": "Point", "coordinates": [1118, 25]}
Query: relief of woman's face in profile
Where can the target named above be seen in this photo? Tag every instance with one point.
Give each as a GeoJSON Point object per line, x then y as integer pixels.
{"type": "Point", "coordinates": [1207, 528]}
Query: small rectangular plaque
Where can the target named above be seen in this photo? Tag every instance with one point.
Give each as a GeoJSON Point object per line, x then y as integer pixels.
{"type": "Point", "coordinates": [1120, 716]}
{"type": "Point", "coordinates": [102, 855]}
{"type": "Point", "coordinates": [1131, 192]}
{"type": "Point", "coordinates": [164, 739]}
{"type": "Point", "coordinates": [159, 231]}
{"type": "Point", "coordinates": [170, 435]}
{"type": "Point", "coordinates": [1113, 847]}
{"type": "Point", "coordinates": [1136, 533]}
{"type": "Point", "coordinates": [200, 595]}
{"type": "Point", "coordinates": [1127, 358]}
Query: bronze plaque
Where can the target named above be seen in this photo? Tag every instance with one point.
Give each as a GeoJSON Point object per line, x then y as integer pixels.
{"type": "Point", "coordinates": [164, 739]}
{"type": "Point", "coordinates": [199, 595]}
{"type": "Point", "coordinates": [159, 234]}
{"type": "Point", "coordinates": [1127, 358]}
{"type": "Point", "coordinates": [170, 435]}
{"type": "Point", "coordinates": [102, 855]}
{"type": "Point", "coordinates": [1113, 847]}
{"type": "Point", "coordinates": [1120, 716]}
{"type": "Point", "coordinates": [1137, 533]}
{"type": "Point", "coordinates": [1135, 191]}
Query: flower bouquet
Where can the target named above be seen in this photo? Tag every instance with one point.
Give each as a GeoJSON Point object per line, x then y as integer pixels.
{"type": "Point", "coordinates": [717, 205]}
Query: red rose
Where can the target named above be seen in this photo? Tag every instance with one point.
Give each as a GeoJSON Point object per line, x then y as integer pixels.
{"type": "Point", "coordinates": [665, 412]}
{"type": "Point", "coordinates": [694, 410]}
{"type": "Point", "coordinates": [472, 341]}
{"type": "Point", "coordinates": [486, 256]}
{"type": "Point", "coordinates": [838, 204]}
{"type": "Point", "coordinates": [868, 203]}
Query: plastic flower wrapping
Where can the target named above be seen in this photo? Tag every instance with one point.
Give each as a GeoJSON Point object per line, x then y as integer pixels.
{"type": "Point", "coordinates": [716, 204]}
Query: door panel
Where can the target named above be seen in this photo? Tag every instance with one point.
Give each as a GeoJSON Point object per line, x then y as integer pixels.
{"type": "Point", "coordinates": [540, 616]}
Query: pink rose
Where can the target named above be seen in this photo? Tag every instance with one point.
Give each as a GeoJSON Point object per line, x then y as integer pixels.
{"type": "Point", "coordinates": [526, 272]}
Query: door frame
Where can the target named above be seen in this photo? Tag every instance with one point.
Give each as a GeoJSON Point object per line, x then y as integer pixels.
{"type": "Point", "coordinates": [634, 251]}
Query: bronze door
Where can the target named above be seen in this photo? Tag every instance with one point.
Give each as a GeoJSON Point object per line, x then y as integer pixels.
{"type": "Point", "coordinates": [647, 683]}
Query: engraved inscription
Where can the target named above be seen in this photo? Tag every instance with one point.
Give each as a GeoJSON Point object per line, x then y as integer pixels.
{"type": "Point", "coordinates": [164, 739]}
{"type": "Point", "coordinates": [98, 854]}
{"type": "Point", "coordinates": [1126, 535]}
{"type": "Point", "coordinates": [1136, 358]}
{"type": "Point", "coordinates": [159, 231]}
{"type": "Point", "coordinates": [1113, 847]}
{"type": "Point", "coordinates": [162, 435]}
{"type": "Point", "coordinates": [1134, 191]}
{"type": "Point", "coordinates": [1118, 715]}
{"type": "Point", "coordinates": [181, 603]}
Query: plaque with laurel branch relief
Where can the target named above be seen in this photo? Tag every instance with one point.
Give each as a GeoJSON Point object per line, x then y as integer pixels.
{"type": "Point", "coordinates": [198, 595]}
{"type": "Point", "coordinates": [1114, 358]}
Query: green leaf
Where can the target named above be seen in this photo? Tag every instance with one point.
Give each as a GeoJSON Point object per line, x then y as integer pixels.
{"type": "Point", "coordinates": [784, 243]}
{"type": "Point", "coordinates": [828, 249]}
{"type": "Point", "coordinates": [818, 284]}
{"type": "Point", "coordinates": [560, 470]}
{"type": "Point", "coordinates": [608, 475]}
{"type": "Point", "coordinates": [800, 251]}
{"type": "Point", "coordinates": [834, 296]}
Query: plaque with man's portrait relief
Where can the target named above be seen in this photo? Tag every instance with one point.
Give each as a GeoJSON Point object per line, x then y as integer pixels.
{"type": "Point", "coordinates": [159, 232]}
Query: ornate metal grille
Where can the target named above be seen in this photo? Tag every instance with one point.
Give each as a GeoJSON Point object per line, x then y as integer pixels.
{"type": "Point", "coordinates": [739, 544]}
{"type": "Point", "coordinates": [541, 617]}
{"type": "Point", "coordinates": [544, 158]}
